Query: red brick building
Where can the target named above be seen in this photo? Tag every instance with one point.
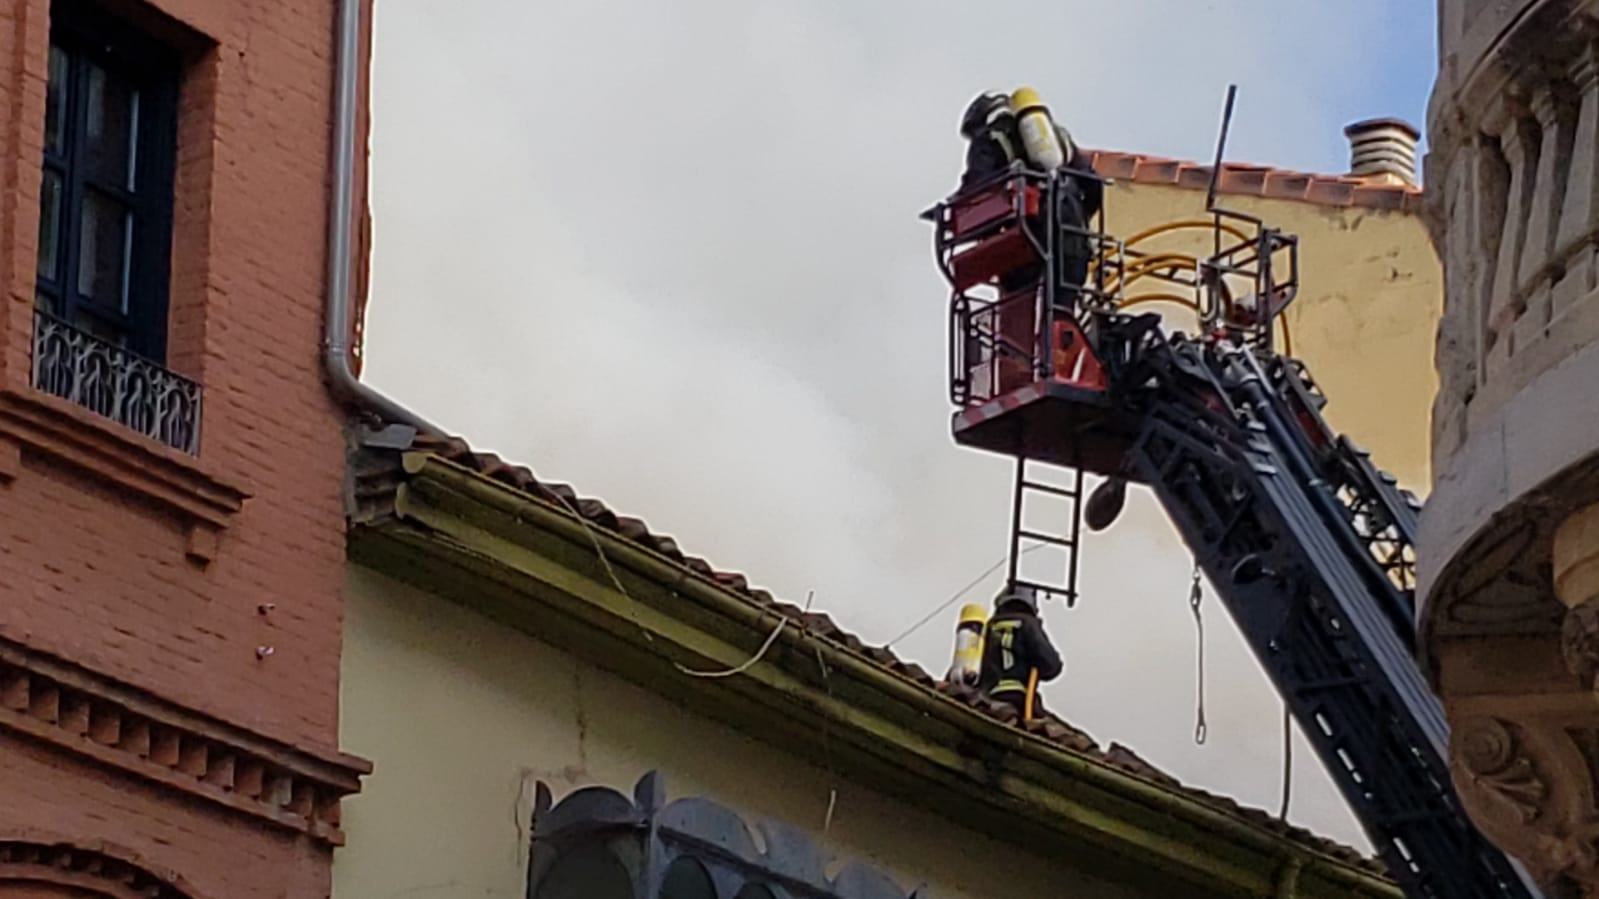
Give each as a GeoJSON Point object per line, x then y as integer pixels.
{"type": "Point", "coordinates": [171, 458]}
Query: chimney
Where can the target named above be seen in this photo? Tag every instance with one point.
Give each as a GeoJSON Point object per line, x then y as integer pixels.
{"type": "Point", "coordinates": [1383, 151]}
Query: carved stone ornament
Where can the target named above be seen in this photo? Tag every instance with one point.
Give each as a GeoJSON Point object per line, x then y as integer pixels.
{"type": "Point", "coordinates": [1574, 853]}
{"type": "Point", "coordinates": [1502, 774]}
{"type": "Point", "coordinates": [1528, 785]}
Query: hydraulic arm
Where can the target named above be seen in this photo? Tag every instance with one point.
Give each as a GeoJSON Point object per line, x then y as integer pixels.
{"type": "Point", "coordinates": [1308, 544]}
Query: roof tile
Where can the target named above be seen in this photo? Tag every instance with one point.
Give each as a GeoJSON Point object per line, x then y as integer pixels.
{"type": "Point", "coordinates": [1380, 196]}
{"type": "Point", "coordinates": [1194, 177]}
{"type": "Point", "coordinates": [1287, 185]}
{"type": "Point", "coordinates": [1119, 165]}
{"type": "Point", "coordinates": [1050, 728]}
{"type": "Point", "coordinates": [1149, 170]}
{"type": "Point", "coordinates": [1331, 193]}
{"type": "Point", "coordinates": [1247, 179]}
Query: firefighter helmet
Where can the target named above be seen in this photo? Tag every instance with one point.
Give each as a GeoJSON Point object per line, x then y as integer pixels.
{"type": "Point", "coordinates": [1017, 593]}
{"type": "Point", "coordinates": [982, 110]}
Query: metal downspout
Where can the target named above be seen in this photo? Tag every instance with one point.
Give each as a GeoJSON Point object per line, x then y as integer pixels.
{"type": "Point", "coordinates": [336, 330]}
{"type": "Point", "coordinates": [1288, 879]}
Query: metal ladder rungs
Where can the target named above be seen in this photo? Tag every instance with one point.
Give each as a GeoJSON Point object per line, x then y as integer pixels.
{"type": "Point", "coordinates": [1046, 588]}
{"type": "Point", "coordinates": [1024, 487]}
{"type": "Point", "coordinates": [1067, 492]}
{"type": "Point", "coordinates": [1065, 542]}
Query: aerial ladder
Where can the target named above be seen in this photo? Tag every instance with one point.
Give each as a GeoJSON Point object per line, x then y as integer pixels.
{"type": "Point", "coordinates": [1308, 543]}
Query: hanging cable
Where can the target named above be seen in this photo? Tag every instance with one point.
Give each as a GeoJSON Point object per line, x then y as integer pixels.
{"type": "Point", "coordinates": [827, 746]}
{"type": "Point", "coordinates": [941, 607]}
{"type": "Point", "coordinates": [632, 604]}
{"type": "Point", "coordinates": [747, 664]}
{"type": "Point", "coordinates": [1288, 763]}
{"type": "Point", "coordinates": [1196, 594]}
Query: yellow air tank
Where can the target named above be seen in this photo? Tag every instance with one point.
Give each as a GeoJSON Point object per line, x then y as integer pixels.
{"type": "Point", "coordinates": [968, 660]}
{"type": "Point", "coordinates": [1037, 129]}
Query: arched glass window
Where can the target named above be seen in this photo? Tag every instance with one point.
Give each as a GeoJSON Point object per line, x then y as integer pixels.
{"type": "Point", "coordinates": [687, 879]}
{"type": "Point", "coordinates": [588, 871]}
{"type": "Point", "coordinates": [598, 843]}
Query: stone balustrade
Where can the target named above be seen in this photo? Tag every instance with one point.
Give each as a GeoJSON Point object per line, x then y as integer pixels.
{"type": "Point", "coordinates": [1517, 202]}
{"type": "Point", "coordinates": [1509, 616]}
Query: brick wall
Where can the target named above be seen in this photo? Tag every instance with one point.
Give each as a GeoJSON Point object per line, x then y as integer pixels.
{"type": "Point", "coordinates": [217, 856]}
{"type": "Point", "coordinates": [146, 565]}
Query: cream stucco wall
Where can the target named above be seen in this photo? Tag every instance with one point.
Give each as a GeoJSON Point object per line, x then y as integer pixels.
{"type": "Point", "coordinates": [1365, 319]}
{"type": "Point", "coordinates": [461, 716]}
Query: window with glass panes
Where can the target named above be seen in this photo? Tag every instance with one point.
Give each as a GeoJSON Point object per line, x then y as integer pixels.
{"type": "Point", "coordinates": [105, 199]}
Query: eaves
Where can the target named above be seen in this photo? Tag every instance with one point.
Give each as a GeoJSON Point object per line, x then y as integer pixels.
{"type": "Point", "coordinates": [533, 565]}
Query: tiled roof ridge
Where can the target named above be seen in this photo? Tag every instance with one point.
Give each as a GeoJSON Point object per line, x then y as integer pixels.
{"type": "Point", "coordinates": [1052, 729]}
{"type": "Point", "coordinates": [1249, 179]}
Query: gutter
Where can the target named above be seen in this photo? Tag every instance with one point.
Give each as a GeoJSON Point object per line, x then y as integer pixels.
{"type": "Point", "coordinates": [336, 329]}
{"type": "Point", "coordinates": [1297, 863]}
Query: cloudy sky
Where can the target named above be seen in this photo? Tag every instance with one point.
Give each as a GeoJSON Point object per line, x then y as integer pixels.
{"type": "Point", "coordinates": [669, 252]}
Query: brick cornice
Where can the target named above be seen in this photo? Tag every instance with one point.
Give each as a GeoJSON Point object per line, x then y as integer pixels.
{"type": "Point", "coordinates": [36, 421]}
{"type": "Point", "coordinates": [122, 727]}
{"type": "Point", "coordinates": [97, 869]}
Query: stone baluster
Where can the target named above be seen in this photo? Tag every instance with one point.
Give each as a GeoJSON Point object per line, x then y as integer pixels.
{"type": "Point", "coordinates": [1484, 222]}
{"type": "Point", "coordinates": [1457, 351]}
{"type": "Point", "coordinates": [1579, 214]}
{"type": "Point", "coordinates": [1530, 307]}
{"type": "Point", "coordinates": [1518, 145]}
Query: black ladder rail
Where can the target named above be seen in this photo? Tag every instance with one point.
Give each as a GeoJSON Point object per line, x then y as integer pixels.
{"type": "Point", "coordinates": [1264, 520]}
{"type": "Point", "coordinates": [1020, 532]}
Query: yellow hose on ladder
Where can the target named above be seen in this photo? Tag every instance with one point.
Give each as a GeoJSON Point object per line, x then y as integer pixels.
{"type": "Point", "coordinates": [1192, 306]}
{"type": "Point", "coordinates": [1146, 266]}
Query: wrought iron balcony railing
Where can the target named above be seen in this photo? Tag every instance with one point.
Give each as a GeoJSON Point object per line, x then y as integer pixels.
{"type": "Point", "coordinates": [115, 383]}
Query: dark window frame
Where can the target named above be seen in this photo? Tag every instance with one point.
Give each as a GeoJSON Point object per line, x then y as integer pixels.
{"type": "Point", "coordinates": [88, 35]}
{"type": "Point", "coordinates": [648, 838]}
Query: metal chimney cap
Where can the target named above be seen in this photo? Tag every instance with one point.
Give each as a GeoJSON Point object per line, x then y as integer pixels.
{"type": "Point", "coordinates": [1367, 125]}
{"type": "Point", "coordinates": [1383, 150]}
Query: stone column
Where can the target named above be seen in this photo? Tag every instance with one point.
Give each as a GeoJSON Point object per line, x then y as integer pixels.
{"type": "Point", "coordinates": [1517, 143]}
{"type": "Point", "coordinates": [1547, 191]}
{"type": "Point", "coordinates": [1579, 214]}
{"type": "Point", "coordinates": [1531, 307]}
{"type": "Point", "coordinates": [1464, 249]}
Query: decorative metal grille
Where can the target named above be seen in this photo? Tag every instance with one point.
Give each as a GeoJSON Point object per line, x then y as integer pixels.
{"type": "Point", "coordinates": [113, 382]}
{"type": "Point", "coordinates": [639, 841]}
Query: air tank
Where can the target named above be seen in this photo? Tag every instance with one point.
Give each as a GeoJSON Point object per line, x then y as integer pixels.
{"type": "Point", "coordinates": [1037, 129]}
{"type": "Point", "coordinates": [968, 659]}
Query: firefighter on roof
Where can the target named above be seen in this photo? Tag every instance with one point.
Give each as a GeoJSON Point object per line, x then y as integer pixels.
{"type": "Point", "coordinates": [1017, 654]}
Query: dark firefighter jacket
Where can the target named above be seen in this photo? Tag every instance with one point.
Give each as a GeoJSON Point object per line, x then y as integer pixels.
{"type": "Point", "coordinates": [1016, 644]}
{"type": "Point", "coordinates": [995, 149]}
{"type": "Point", "coordinates": [999, 146]}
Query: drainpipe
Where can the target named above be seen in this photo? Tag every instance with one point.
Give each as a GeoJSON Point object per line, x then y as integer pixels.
{"type": "Point", "coordinates": [1287, 886]}
{"type": "Point", "coordinates": [336, 329]}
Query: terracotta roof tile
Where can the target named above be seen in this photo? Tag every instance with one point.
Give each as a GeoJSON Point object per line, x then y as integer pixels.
{"type": "Point", "coordinates": [1150, 170]}
{"type": "Point", "coordinates": [1378, 196]}
{"type": "Point", "coordinates": [1051, 728]}
{"type": "Point", "coordinates": [1331, 193]}
{"type": "Point", "coordinates": [1244, 179]}
{"type": "Point", "coordinates": [1287, 185]}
